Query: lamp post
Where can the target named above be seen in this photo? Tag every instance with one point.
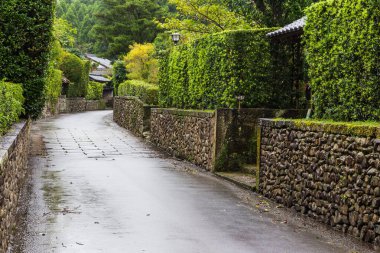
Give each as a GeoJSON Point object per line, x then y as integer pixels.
{"type": "Point", "coordinates": [240, 99]}
{"type": "Point", "coordinates": [176, 38]}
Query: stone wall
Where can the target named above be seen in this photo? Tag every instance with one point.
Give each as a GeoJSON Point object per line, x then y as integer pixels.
{"type": "Point", "coordinates": [73, 105]}
{"type": "Point", "coordinates": [13, 170]}
{"type": "Point", "coordinates": [132, 114]}
{"type": "Point", "coordinates": [236, 134]}
{"type": "Point", "coordinates": [185, 134]}
{"type": "Point", "coordinates": [95, 105]}
{"type": "Point", "coordinates": [326, 171]}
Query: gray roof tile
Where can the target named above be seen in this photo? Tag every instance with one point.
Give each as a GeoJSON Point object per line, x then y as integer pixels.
{"type": "Point", "coordinates": [100, 79]}
{"type": "Point", "coordinates": [297, 25]}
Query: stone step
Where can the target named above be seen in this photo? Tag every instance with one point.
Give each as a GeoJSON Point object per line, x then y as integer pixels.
{"type": "Point", "coordinates": [249, 168]}
{"type": "Point", "coordinates": [245, 180]}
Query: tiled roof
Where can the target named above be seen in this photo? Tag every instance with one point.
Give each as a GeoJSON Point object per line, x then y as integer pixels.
{"type": "Point", "coordinates": [297, 25]}
{"type": "Point", "coordinates": [100, 79]}
{"type": "Point", "coordinates": [104, 62]}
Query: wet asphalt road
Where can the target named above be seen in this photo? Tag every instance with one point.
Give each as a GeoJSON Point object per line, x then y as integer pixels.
{"type": "Point", "coordinates": [96, 188]}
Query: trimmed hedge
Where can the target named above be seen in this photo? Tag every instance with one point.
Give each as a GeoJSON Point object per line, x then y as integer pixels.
{"type": "Point", "coordinates": [342, 40]}
{"type": "Point", "coordinates": [148, 93]}
{"type": "Point", "coordinates": [95, 91]}
{"type": "Point", "coordinates": [25, 36]}
{"type": "Point", "coordinates": [212, 71]}
{"type": "Point", "coordinates": [11, 99]}
{"type": "Point", "coordinates": [77, 71]}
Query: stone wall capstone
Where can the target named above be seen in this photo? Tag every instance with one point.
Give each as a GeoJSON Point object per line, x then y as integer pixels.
{"type": "Point", "coordinates": [326, 171]}
{"type": "Point", "coordinates": [185, 134]}
{"type": "Point", "coordinates": [14, 148]}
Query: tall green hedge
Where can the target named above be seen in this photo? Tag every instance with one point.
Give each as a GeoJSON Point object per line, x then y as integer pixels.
{"type": "Point", "coordinates": [11, 101]}
{"type": "Point", "coordinates": [148, 93]}
{"type": "Point", "coordinates": [77, 71]}
{"type": "Point", "coordinates": [25, 36]}
{"type": "Point", "coordinates": [342, 40]}
{"type": "Point", "coordinates": [212, 71]}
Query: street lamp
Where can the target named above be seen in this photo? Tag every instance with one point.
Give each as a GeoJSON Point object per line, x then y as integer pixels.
{"type": "Point", "coordinates": [240, 99]}
{"type": "Point", "coordinates": [176, 38]}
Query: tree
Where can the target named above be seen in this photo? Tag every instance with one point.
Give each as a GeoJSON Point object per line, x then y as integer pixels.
{"type": "Point", "coordinates": [119, 74]}
{"type": "Point", "coordinates": [80, 15]}
{"type": "Point", "coordinates": [270, 13]}
{"type": "Point", "coordinates": [198, 17]}
{"type": "Point", "coordinates": [120, 23]}
{"type": "Point", "coordinates": [141, 63]}
{"type": "Point", "coordinates": [64, 32]}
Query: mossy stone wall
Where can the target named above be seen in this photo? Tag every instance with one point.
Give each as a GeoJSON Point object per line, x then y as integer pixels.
{"type": "Point", "coordinates": [328, 171]}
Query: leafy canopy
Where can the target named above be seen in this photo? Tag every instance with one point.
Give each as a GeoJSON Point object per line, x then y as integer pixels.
{"type": "Point", "coordinates": [269, 13]}
{"type": "Point", "coordinates": [120, 23]}
{"type": "Point", "coordinates": [80, 15]}
{"type": "Point", "coordinates": [141, 63]}
{"type": "Point", "coordinates": [198, 17]}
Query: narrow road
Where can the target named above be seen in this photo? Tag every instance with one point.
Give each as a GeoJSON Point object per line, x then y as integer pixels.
{"type": "Point", "coordinates": [96, 188]}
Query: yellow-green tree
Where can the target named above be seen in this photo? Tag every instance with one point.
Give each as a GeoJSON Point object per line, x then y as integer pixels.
{"type": "Point", "coordinates": [198, 17]}
{"type": "Point", "coordinates": [141, 63]}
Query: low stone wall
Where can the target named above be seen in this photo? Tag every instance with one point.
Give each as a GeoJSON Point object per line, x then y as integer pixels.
{"type": "Point", "coordinates": [236, 134]}
{"type": "Point", "coordinates": [13, 170]}
{"type": "Point", "coordinates": [95, 105]}
{"type": "Point", "coordinates": [328, 172]}
{"type": "Point", "coordinates": [132, 114]}
{"type": "Point", "coordinates": [73, 105]}
{"type": "Point", "coordinates": [186, 134]}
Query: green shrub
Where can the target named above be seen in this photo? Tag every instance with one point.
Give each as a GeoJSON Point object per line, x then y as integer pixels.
{"type": "Point", "coordinates": [212, 71]}
{"type": "Point", "coordinates": [25, 36]}
{"type": "Point", "coordinates": [77, 71]}
{"type": "Point", "coordinates": [343, 44]}
{"type": "Point", "coordinates": [148, 93]}
{"type": "Point", "coordinates": [53, 86]}
{"type": "Point", "coordinates": [11, 99]}
{"type": "Point", "coordinates": [95, 91]}
{"type": "Point", "coordinates": [119, 74]}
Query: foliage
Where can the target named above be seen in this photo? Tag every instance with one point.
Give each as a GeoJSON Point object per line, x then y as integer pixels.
{"type": "Point", "coordinates": [94, 91]}
{"type": "Point", "coordinates": [269, 13]}
{"type": "Point", "coordinates": [162, 44]}
{"type": "Point", "coordinates": [64, 32]}
{"type": "Point", "coordinates": [80, 15]}
{"type": "Point", "coordinates": [25, 36]}
{"type": "Point", "coordinates": [141, 63]}
{"type": "Point", "coordinates": [53, 86]}
{"type": "Point", "coordinates": [53, 82]}
{"type": "Point", "coordinates": [121, 23]}
{"type": "Point", "coordinates": [199, 17]}
{"type": "Point", "coordinates": [148, 93]}
{"type": "Point", "coordinates": [11, 104]}
{"type": "Point", "coordinates": [211, 72]}
{"type": "Point", "coordinates": [119, 74]}
{"type": "Point", "coordinates": [77, 71]}
{"type": "Point", "coordinates": [342, 42]}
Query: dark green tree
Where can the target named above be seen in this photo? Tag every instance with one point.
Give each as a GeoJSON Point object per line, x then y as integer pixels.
{"type": "Point", "coordinates": [119, 74]}
{"type": "Point", "coordinates": [269, 13]}
{"type": "Point", "coordinates": [120, 23]}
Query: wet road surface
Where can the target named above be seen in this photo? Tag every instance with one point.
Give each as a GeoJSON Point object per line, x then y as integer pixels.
{"type": "Point", "coordinates": [96, 188]}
